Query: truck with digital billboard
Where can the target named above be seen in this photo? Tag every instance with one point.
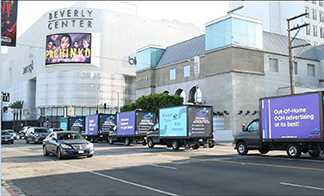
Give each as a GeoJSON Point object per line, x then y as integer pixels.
{"type": "Point", "coordinates": [293, 123]}
{"type": "Point", "coordinates": [73, 124]}
{"type": "Point", "coordinates": [183, 126]}
{"type": "Point", "coordinates": [98, 126]}
{"type": "Point", "coordinates": [132, 127]}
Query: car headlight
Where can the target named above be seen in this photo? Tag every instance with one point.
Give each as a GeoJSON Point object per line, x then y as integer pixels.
{"type": "Point", "coordinates": [66, 146]}
{"type": "Point", "coordinates": [36, 135]}
{"type": "Point", "coordinates": [89, 145]}
{"type": "Point", "coordinates": [11, 137]}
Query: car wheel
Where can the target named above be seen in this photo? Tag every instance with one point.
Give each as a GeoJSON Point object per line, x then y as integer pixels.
{"type": "Point", "coordinates": [89, 156]}
{"type": "Point", "coordinates": [110, 139]}
{"type": "Point", "coordinates": [58, 153]}
{"type": "Point", "coordinates": [195, 147]}
{"type": "Point", "coordinates": [294, 151]}
{"type": "Point", "coordinates": [242, 148]}
{"type": "Point", "coordinates": [150, 143]}
{"type": "Point", "coordinates": [27, 142]}
{"type": "Point", "coordinates": [175, 145]}
{"type": "Point", "coordinates": [127, 141]}
{"type": "Point", "coordinates": [263, 151]}
{"type": "Point", "coordinates": [12, 142]}
{"type": "Point", "coordinates": [33, 141]}
{"type": "Point", "coordinates": [45, 153]}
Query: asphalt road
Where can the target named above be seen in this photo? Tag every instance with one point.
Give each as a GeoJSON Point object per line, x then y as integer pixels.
{"type": "Point", "coordinates": [138, 170]}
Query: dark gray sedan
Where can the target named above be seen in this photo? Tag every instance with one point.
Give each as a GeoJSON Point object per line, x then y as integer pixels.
{"type": "Point", "coordinates": [67, 143]}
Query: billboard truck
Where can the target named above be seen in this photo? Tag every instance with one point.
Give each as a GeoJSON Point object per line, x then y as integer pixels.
{"type": "Point", "coordinates": [98, 126]}
{"type": "Point", "coordinates": [73, 124]}
{"type": "Point", "coordinates": [132, 127]}
{"type": "Point", "coordinates": [183, 126]}
{"type": "Point", "coordinates": [293, 123]}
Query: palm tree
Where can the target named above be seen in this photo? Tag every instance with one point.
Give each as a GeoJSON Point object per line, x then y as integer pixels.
{"type": "Point", "coordinates": [16, 105]}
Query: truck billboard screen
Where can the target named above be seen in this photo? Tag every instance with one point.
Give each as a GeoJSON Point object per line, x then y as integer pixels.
{"type": "Point", "coordinates": [106, 122]}
{"type": "Point", "coordinates": [291, 117]}
{"type": "Point", "coordinates": [144, 122]}
{"type": "Point", "coordinates": [76, 123]}
{"type": "Point", "coordinates": [92, 125]}
{"type": "Point", "coordinates": [173, 121]}
{"type": "Point", "coordinates": [64, 124]}
{"type": "Point", "coordinates": [200, 121]}
{"type": "Point", "coordinates": [126, 123]}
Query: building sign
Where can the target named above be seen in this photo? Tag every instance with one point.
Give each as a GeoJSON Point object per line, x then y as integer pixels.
{"type": "Point", "coordinates": [143, 78]}
{"type": "Point", "coordinates": [8, 22]}
{"type": "Point", "coordinates": [29, 68]}
{"type": "Point", "coordinates": [70, 18]}
{"type": "Point", "coordinates": [68, 48]}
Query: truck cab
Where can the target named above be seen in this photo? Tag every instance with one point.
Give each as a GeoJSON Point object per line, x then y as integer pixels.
{"type": "Point", "coordinates": [248, 138]}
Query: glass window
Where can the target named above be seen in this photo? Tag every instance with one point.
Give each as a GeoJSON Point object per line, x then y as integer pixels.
{"type": "Point", "coordinates": [60, 111]}
{"type": "Point", "coordinates": [310, 70]}
{"type": "Point", "coordinates": [307, 11]}
{"type": "Point", "coordinates": [85, 111]}
{"type": "Point", "coordinates": [172, 74]}
{"type": "Point", "coordinates": [315, 31]}
{"type": "Point", "coordinates": [314, 2]}
{"type": "Point", "coordinates": [54, 111]}
{"type": "Point", "coordinates": [77, 111]}
{"type": "Point", "coordinates": [93, 111]}
{"type": "Point", "coordinates": [253, 126]}
{"type": "Point", "coordinates": [322, 33]}
{"type": "Point", "coordinates": [296, 68]}
{"type": "Point", "coordinates": [274, 67]}
{"type": "Point", "coordinates": [186, 71]}
{"type": "Point", "coordinates": [314, 15]}
{"type": "Point", "coordinates": [320, 3]}
{"type": "Point", "coordinates": [321, 16]}
{"type": "Point", "coordinates": [307, 30]}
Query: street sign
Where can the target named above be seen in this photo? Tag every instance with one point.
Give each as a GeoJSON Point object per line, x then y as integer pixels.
{"type": "Point", "coordinates": [196, 66]}
{"type": "Point", "coordinates": [5, 97]}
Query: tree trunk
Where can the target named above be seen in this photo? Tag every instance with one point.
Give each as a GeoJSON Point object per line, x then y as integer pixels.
{"type": "Point", "coordinates": [13, 121]}
{"type": "Point", "coordinates": [19, 127]}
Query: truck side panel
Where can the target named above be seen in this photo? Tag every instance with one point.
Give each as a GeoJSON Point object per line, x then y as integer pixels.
{"type": "Point", "coordinates": [173, 122]}
{"type": "Point", "coordinates": [144, 121]}
{"type": "Point", "coordinates": [91, 125]}
{"type": "Point", "coordinates": [106, 122]}
{"type": "Point", "coordinates": [292, 118]}
{"type": "Point", "coordinates": [200, 121]}
{"type": "Point", "coordinates": [126, 123]}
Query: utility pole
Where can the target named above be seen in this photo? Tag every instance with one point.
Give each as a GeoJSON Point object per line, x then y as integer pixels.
{"type": "Point", "coordinates": [290, 47]}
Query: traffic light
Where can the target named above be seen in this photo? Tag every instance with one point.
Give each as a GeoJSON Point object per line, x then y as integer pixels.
{"type": "Point", "coordinates": [5, 109]}
{"type": "Point", "coordinates": [105, 106]}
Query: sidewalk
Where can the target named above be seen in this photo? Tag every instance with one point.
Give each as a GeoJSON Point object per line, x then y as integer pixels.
{"type": "Point", "coordinates": [6, 190]}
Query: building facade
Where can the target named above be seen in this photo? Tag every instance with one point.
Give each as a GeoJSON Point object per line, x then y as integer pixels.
{"type": "Point", "coordinates": [72, 61]}
{"type": "Point", "coordinates": [274, 15]}
{"type": "Point", "coordinates": [238, 64]}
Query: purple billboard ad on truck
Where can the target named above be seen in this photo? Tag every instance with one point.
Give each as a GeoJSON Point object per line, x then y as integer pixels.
{"type": "Point", "coordinates": [132, 127]}
{"type": "Point", "coordinates": [293, 123]}
{"type": "Point", "coordinates": [98, 126]}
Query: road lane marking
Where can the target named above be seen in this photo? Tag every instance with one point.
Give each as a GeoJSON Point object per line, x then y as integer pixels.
{"type": "Point", "coordinates": [121, 180]}
{"type": "Point", "coordinates": [106, 176]}
{"type": "Point", "coordinates": [163, 166]}
{"type": "Point", "coordinates": [302, 186]}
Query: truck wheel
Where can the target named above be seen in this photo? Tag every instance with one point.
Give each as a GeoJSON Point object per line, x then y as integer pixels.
{"type": "Point", "coordinates": [127, 141]}
{"type": "Point", "coordinates": [169, 144]}
{"type": "Point", "coordinates": [263, 151]}
{"type": "Point", "coordinates": [314, 154]}
{"type": "Point", "coordinates": [144, 143]}
{"type": "Point", "coordinates": [175, 145]}
{"type": "Point", "coordinates": [195, 147]}
{"type": "Point", "coordinates": [293, 151]}
{"type": "Point", "coordinates": [110, 140]}
{"type": "Point", "coordinates": [150, 143]}
{"type": "Point", "coordinates": [241, 148]}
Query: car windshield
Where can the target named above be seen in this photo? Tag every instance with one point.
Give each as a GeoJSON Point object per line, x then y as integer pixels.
{"type": "Point", "coordinates": [41, 131]}
{"type": "Point", "coordinates": [4, 133]}
{"type": "Point", "coordinates": [69, 136]}
{"type": "Point", "coordinates": [11, 131]}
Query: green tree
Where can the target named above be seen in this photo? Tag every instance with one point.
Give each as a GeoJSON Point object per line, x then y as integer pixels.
{"type": "Point", "coordinates": [154, 102]}
{"type": "Point", "coordinates": [17, 105]}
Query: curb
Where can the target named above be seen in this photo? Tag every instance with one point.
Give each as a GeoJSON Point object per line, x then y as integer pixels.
{"type": "Point", "coordinates": [7, 189]}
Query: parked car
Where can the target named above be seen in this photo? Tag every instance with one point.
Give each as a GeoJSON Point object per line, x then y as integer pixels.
{"type": "Point", "coordinates": [6, 137]}
{"type": "Point", "coordinates": [22, 133]}
{"type": "Point", "coordinates": [67, 143]}
{"type": "Point", "coordinates": [12, 133]}
{"type": "Point", "coordinates": [36, 134]}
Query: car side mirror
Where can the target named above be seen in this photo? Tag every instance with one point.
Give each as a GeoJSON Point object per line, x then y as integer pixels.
{"type": "Point", "coordinates": [243, 128]}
